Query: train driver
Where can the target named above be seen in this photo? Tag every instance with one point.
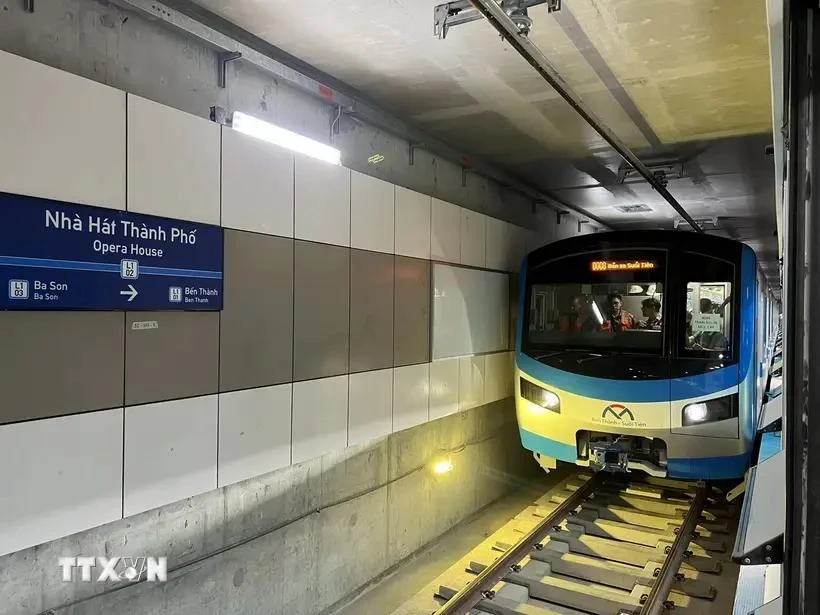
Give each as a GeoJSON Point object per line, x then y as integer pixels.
{"type": "Point", "coordinates": [651, 309]}
{"type": "Point", "coordinates": [577, 319]}
{"type": "Point", "coordinates": [618, 319]}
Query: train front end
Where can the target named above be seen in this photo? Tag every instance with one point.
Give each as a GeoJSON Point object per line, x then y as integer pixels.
{"type": "Point", "coordinates": [636, 352]}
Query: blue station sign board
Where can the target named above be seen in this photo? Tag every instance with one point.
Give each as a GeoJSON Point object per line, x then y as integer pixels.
{"type": "Point", "coordinates": [61, 256]}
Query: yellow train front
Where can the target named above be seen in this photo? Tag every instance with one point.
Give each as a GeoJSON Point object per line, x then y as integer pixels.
{"type": "Point", "coordinates": [641, 350]}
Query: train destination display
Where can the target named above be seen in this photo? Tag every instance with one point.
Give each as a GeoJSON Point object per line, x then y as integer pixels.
{"type": "Point", "coordinates": [62, 256]}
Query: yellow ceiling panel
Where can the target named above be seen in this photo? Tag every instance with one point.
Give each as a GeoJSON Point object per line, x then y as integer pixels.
{"type": "Point", "coordinates": [694, 68]}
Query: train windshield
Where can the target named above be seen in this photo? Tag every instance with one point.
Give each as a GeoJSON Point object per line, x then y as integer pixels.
{"type": "Point", "coordinates": [612, 301]}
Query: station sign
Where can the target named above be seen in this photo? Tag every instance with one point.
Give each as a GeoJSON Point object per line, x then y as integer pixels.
{"type": "Point", "coordinates": [62, 256]}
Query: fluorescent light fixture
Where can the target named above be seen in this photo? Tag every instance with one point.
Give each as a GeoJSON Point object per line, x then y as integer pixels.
{"type": "Point", "coordinates": [284, 138]}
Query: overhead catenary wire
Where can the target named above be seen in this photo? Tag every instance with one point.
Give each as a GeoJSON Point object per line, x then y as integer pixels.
{"type": "Point", "coordinates": [509, 31]}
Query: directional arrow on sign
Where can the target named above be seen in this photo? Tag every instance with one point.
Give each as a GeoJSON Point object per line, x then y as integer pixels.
{"type": "Point", "coordinates": [131, 293]}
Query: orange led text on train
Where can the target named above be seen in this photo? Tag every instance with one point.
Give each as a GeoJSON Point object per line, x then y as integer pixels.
{"type": "Point", "coordinates": [620, 265]}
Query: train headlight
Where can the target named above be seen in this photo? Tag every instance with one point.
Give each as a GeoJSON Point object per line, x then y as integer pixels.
{"type": "Point", "coordinates": [539, 396]}
{"type": "Point", "coordinates": [710, 411]}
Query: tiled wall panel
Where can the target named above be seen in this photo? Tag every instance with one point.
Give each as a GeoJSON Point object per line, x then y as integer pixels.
{"type": "Point", "coordinates": [371, 406]}
{"type": "Point", "coordinates": [498, 376]}
{"type": "Point", "coordinates": [321, 323]}
{"type": "Point", "coordinates": [63, 136]}
{"type": "Point", "coordinates": [473, 238]}
{"type": "Point", "coordinates": [411, 331]}
{"type": "Point", "coordinates": [256, 332]}
{"type": "Point", "coordinates": [254, 432]}
{"type": "Point", "coordinates": [371, 310]}
{"type": "Point", "coordinates": [412, 223]}
{"type": "Point", "coordinates": [322, 201]}
{"type": "Point", "coordinates": [59, 476]}
{"type": "Point", "coordinates": [371, 213]}
{"type": "Point", "coordinates": [173, 163]}
{"type": "Point", "coordinates": [170, 452]}
{"type": "Point", "coordinates": [57, 363]}
{"type": "Point", "coordinates": [325, 336]}
{"type": "Point", "coordinates": [411, 396]}
{"type": "Point", "coordinates": [257, 185]}
{"type": "Point", "coordinates": [176, 356]}
{"type": "Point", "coordinates": [444, 375]}
{"type": "Point", "coordinates": [319, 417]}
{"type": "Point", "coordinates": [445, 236]}
{"type": "Point", "coordinates": [471, 382]}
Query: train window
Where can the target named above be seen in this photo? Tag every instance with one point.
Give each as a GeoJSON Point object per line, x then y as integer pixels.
{"type": "Point", "coordinates": [708, 323]}
{"type": "Point", "coordinates": [598, 301]}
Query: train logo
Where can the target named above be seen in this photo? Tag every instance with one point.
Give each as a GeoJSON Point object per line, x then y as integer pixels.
{"type": "Point", "coordinates": [619, 412]}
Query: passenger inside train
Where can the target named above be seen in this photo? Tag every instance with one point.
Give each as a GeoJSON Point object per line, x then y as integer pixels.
{"type": "Point", "coordinates": [651, 310]}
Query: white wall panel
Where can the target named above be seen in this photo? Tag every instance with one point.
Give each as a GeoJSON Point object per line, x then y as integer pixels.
{"type": "Point", "coordinates": [257, 185]}
{"type": "Point", "coordinates": [494, 296]}
{"type": "Point", "coordinates": [59, 476]}
{"type": "Point", "coordinates": [470, 311]}
{"type": "Point", "coordinates": [254, 432]}
{"type": "Point", "coordinates": [499, 244]}
{"type": "Point", "coordinates": [412, 223]}
{"type": "Point", "coordinates": [319, 417]}
{"type": "Point", "coordinates": [371, 405]}
{"type": "Point", "coordinates": [451, 324]}
{"type": "Point", "coordinates": [471, 382]}
{"type": "Point", "coordinates": [445, 235]}
{"type": "Point", "coordinates": [498, 376]}
{"type": "Point", "coordinates": [63, 136]}
{"type": "Point", "coordinates": [473, 238]}
{"type": "Point", "coordinates": [322, 201]}
{"type": "Point", "coordinates": [411, 396]}
{"type": "Point", "coordinates": [443, 388]}
{"type": "Point", "coordinates": [173, 162]}
{"type": "Point", "coordinates": [170, 452]}
{"type": "Point", "coordinates": [371, 213]}
{"type": "Point", "coordinates": [520, 246]}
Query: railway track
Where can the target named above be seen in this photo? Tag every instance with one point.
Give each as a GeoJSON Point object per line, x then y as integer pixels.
{"type": "Point", "coordinates": [608, 544]}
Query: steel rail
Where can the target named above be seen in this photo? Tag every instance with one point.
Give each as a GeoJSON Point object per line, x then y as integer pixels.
{"type": "Point", "coordinates": [493, 12]}
{"type": "Point", "coordinates": [466, 599]}
{"type": "Point", "coordinates": [656, 602]}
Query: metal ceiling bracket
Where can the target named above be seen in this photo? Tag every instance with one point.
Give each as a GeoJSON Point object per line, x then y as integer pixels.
{"type": "Point", "coordinates": [222, 60]}
{"type": "Point", "coordinates": [28, 6]}
{"type": "Point", "coordinates": [580, 223]}
{"type": "Point", "coordinates": [559, 215]}
{"type": "Point", "coordinates": [450, 14]}
{"type": "Point", "coordinates": [219, 115]}
{"type": "Point", "coordinates": [463, 177]}
{"type": "Point", "coordinates": [510, 33]}
{"type": "Point", "coordinates": [411, 153]}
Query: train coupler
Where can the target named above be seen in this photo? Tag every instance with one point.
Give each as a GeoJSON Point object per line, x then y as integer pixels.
{"type": "Point", "coordinates": [609, 456]}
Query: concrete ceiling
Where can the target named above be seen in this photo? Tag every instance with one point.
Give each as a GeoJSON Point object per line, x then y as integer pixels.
{"type": "Point", "coordinates": [684, 82]}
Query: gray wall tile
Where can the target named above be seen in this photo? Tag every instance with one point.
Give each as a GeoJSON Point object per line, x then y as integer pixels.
{"type": "Point", "coordinates": [256, 334]}
{"type": "Point", "coordinates": [371, 311]}
{"type": "Point", "coordinates": [411, 337]}
{"type": "Point", "coordinates": [321, 325]}
{"type": "Point", "coordinates": [57, 363]}
{"type": "Point", "coordinates": [179, 358]}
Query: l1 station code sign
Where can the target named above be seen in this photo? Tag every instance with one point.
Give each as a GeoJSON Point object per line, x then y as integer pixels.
{"type": "Point", "coordinates": [60, 256]}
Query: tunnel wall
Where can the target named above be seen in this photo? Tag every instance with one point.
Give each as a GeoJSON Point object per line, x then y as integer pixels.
{"type": "Point", "coordinates": [111, 438]}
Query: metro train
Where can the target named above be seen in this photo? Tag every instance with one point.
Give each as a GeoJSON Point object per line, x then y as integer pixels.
{"type": "Point", "coordinates": [642, 351]}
